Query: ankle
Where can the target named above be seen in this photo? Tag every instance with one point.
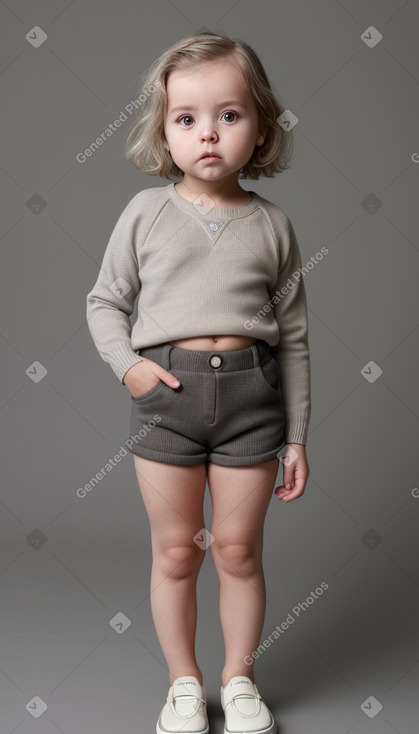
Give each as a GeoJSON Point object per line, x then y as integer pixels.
{"type": "Point", "coordinates": [179, 674]}
{"type": "Point", "coordinates": [226, 678]}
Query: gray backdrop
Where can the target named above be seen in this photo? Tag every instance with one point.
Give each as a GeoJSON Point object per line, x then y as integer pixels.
{"type": "Point", "coordinates": [79, 653]}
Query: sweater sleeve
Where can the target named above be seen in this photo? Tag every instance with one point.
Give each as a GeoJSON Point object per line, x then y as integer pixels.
{"type": "Point", "coordinates": [111, 301]}
{"type": "Point", "coordinates": [292, 350]}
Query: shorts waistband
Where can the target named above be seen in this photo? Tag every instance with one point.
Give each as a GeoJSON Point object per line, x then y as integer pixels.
{"type": "Point", "coordinates": [171, 357]}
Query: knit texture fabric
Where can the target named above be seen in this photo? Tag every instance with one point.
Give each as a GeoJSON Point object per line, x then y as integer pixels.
{"type": "Point", "coordinates": [197, 270]}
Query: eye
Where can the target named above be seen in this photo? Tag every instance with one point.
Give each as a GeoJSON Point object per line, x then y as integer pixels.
{"type": "Point", "coordinates": [186, 117]}
{"type": "Point", "coordinates": [232, 116]}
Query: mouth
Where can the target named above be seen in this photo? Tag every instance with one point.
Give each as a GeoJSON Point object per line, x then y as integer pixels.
{"type": "Point", "coordinates": [210, 157]}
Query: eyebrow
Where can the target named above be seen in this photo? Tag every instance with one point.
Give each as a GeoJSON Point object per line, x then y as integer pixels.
{"type": "Point", "coordinates": [232, 103]}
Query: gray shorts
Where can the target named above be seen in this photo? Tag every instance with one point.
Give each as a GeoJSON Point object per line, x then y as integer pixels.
{"type": "Point", "coordinates": [228, 408]}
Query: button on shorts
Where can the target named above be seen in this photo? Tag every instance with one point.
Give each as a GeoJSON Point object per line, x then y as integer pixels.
{"type": "Point", "coordinates": [228, 408]}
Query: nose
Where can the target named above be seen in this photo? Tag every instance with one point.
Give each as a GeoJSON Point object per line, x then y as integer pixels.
{"type": "Point", "coordinates": [208, 133]}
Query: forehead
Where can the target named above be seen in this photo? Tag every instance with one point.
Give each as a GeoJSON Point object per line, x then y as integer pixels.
{"type": "Point", "coordinates": [220, 75]}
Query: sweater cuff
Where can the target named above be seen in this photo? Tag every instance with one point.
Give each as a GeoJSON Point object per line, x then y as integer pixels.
{"type": "Point", "coordinates": [297, 428]}
{"type": "Point", "coordinates": [122, 358]}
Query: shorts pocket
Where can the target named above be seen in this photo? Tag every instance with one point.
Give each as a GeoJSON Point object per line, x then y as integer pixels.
{"type": "Point", "coordinates": [150, 393]}
{"type": "Point", "coordinates": [269, 373]}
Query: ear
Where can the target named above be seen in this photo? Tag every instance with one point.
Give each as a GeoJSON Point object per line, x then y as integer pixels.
{"type": "Point", "coordinates": [263, 129]}
{"type": "Point", "coordinates": [166, 145]}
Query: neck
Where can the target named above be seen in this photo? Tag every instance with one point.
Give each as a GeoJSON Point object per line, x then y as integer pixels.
{"type": "Point", "coordinates": [221, 192]}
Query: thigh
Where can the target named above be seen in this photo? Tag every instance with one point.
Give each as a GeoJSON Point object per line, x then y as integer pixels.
{"type": "Point", "coordinates": [240, 498]}
{"type": "Point", "coordinates": [173, 496]}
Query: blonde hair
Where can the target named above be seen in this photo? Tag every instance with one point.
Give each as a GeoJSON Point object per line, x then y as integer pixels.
{"type": "Point", "coordinates": [145, 142]}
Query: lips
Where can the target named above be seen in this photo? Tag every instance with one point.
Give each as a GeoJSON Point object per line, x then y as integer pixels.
{"type": "Point", "coordinates": [209, 155]}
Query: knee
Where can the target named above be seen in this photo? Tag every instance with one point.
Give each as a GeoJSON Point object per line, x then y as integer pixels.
{"type": "Point", "coordinates": [179, 562]}
{"type": "Point", "coordinates": [236, 559]}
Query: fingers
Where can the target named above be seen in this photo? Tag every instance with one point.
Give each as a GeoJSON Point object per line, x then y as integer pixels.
{"type": "Point", "coordinates": [167, 377]}
{"type": "Point", "coordinates": [141, 378]}
{"type": "Point", "coordinates": [162, 374]}
{"type": "Point", "coordinates": [287, 495]}
{"type": "Point", "coordinates": [289, 476]}
{"type": "Point", "coordinates": [295, 478]}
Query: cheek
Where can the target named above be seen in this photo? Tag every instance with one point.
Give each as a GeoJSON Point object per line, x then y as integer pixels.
{"type": "Point", "coordinates": [179, 146]}
{"type": "Point", "coordinates": [245, 141]}
{"type": "Point", "coordinates": [247, 133]}
{"type": "Point", "coordinates": [173, 139]}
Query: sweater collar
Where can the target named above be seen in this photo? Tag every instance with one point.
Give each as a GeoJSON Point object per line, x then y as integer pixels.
{"type": "Point", "coordinates": [213, 212]}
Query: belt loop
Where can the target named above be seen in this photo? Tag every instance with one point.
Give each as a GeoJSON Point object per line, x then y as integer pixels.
{"type": "Point", "coordinates": [165, 357]}
{"type": "Point", "coordinates": [254, 349]}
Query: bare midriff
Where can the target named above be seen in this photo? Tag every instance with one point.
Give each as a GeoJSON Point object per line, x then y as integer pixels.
{"type": "Point", "coordinates": [209, 343]}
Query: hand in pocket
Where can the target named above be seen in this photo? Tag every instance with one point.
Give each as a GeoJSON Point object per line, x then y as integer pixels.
{"type": "Point", "coordinates": [143, 376]}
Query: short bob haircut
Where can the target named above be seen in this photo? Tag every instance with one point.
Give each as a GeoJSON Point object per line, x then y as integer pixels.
{"type": "Point", "coordinates": [145, 144]}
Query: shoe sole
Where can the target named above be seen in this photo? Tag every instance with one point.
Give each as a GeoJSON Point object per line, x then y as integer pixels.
{"type": "Point", "coordinates": [272, 729]}
{"type": "Point", "coordinates": [166, 731]}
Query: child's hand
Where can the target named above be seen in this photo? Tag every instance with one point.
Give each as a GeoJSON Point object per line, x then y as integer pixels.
{"type": "Point", "coordinates": [142, 377]}
{"type": "Point", "coordinates": [295, 474]}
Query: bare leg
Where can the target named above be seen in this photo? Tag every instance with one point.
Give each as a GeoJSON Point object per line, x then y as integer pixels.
{"type": "Point", "coordinates": [240, 498]}
{"type": "Point", "coordinates": [173, 496]}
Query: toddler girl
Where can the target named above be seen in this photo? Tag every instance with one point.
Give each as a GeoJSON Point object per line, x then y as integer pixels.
{"type": "Point", "coordinates": [217, 360]}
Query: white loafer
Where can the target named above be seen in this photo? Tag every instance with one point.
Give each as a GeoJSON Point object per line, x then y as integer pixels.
{"type": "Point", "coordinates": [185, 708]}
{"type": "Point", "coordinates": [244, 710]}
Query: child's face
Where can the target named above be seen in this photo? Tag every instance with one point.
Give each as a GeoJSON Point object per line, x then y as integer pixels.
{"type": "Point", "coordinates": [213, 113]}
